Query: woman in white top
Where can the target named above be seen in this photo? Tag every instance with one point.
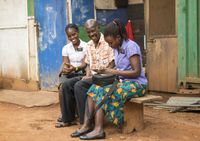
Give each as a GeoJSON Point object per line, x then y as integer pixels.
{"type": "Point", "coordinates": [74, 52]}
{"type": "Point", "coordinates": [71, 72]}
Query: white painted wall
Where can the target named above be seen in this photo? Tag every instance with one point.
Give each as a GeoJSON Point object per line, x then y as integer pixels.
{"type": "Point", "coordinates": [18, 54]}
{"type": "Point", "coordinates": [13, 52]}
{"type": "Point", "coordinates": [13, 12]}
{"type": "Point", "coordinates": [13, 39]}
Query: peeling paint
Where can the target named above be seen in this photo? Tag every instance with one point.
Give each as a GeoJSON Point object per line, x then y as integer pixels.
{"type": "Point", "coordinates": [106, 16]}
{"type": "Point", "coordinates": [47, 37]}
{"type": "Point", "coordinates": [82, 10]}
{"type": "Point", "coordinates": [51, 18]}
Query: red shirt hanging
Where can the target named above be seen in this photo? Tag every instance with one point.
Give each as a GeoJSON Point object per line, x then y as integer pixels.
{"type": "Point", "coordinates": [129, 30]}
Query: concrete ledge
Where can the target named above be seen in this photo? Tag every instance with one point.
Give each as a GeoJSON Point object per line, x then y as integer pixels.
{"type": "Point", "coordinates": [29, 99]}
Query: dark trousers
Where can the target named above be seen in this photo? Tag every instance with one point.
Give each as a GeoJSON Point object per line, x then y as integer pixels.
{"type": "Point", "coordinates": [80, 91]}
{"type": "Point", "coordinates": [67, 99]}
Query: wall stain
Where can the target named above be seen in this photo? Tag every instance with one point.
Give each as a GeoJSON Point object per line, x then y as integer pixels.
{"type": "Point", "coordinates": [47, 37]}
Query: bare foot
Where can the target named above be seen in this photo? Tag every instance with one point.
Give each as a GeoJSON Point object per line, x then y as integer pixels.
{"type": "Point", "coordinates": [94, 133]}
{"type": "Point", "coordinates": [83, 129]}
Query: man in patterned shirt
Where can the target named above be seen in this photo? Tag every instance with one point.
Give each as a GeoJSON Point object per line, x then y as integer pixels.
{"type": "Point", "coordinates": [98, 56]}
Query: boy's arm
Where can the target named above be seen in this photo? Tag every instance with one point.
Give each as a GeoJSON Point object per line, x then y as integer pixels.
{"type": "Point", "coordinates": [88, 72]}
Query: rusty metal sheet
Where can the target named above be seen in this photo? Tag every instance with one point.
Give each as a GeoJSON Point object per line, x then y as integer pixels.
{"type": "Point", "coordinates": [184, 101]}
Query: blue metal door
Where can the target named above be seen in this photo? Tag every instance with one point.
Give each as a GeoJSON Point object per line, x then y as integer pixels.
{"type": "Point", "coordinates": [51, 18]}
{"type": "Point", "coordinates": [81, 11]}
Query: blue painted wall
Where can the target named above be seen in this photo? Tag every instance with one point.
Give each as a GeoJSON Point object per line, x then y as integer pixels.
{"type": "Point", "coordinates": [82, 10]}
{"type": "Point", "coordinates": [106, 16]}
{"type": "Point", "coordinates": [51, 17]}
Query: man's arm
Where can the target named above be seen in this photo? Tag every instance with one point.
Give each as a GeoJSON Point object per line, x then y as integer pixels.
{"type": "Point", "coordinates": [88, 72]}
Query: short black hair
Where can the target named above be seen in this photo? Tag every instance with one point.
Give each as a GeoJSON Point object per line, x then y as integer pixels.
{"type": "Point", "coordinates": [71, 25]}
{"type": "Point", "coordinates": [114, 29]}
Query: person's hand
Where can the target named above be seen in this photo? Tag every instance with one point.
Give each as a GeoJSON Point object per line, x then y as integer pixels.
{"type": "Point", "coordinates": [99, 71]}
{"type": "Point", "coordinates": [109, 71]}
{"type": "Point", "coordinates": [67, 68]}
{"type": "Point", "coordinates": [86, 77]}
{"type": "Point", "coordinates": [105, 71]}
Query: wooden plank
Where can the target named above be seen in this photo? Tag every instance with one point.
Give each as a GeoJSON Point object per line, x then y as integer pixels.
{"type": "Point", "coordinates": [192, 39]}
{"type": "Point", "coordinates": [133, 117]}
{"type": "Point", "coordinates": [146, 17]}
{"type": "Point", "coordinates": [198, 24]}
{"type": "Point", "coordinates": [152, 67]}
{"type": "Point", "coordinates": [146, 98]}
{"type": "Point", "coordinates": [172, 64]}
{"type": "Point", "coordinates": [162, 17]}
{"type": "Point", "coordinates": [168, 106]}
{"type": "Point", "coordinates": [182, 41]}
{"type": "Point", "coordinates": [192, 80]}
{"type": "Point", "coordinates": [162, 64]}
{"type": "Point", "coordinates": [188, 91]}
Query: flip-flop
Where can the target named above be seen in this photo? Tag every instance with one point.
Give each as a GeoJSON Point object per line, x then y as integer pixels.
{"type": "Point", "coordinates": [59, 119]}
{"type": "Point", "coordinates": [62, 124]}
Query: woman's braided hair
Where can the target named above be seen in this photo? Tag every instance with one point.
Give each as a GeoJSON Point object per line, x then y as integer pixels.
{"type": "Point", "coordinates": [114, 29]}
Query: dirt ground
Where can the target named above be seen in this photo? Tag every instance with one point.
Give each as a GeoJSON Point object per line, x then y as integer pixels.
{"type": "Point", "coordinates": [37, 124]}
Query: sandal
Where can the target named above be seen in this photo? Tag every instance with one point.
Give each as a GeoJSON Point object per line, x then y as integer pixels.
{"type": "Point", "coordinates": [59, 119]}
{"type": "Point", "coordinates": [62, 124]}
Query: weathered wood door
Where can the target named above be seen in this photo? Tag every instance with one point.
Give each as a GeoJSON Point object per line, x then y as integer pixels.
{"type": "Point", "coordinates": [160, 28]}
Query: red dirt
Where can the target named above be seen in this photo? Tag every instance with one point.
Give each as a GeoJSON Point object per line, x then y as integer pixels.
{"type": "Point", "coordinates": [37, 124]}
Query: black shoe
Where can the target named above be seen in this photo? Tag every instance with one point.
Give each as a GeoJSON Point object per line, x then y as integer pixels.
{"type": "Point", "coordinates": [99, 136]}
{"type": "Point", "coordinates": [78, 134]}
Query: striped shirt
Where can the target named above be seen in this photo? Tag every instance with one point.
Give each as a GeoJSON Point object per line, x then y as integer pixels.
{"type": "Point", "coordinates": [100, 56]}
